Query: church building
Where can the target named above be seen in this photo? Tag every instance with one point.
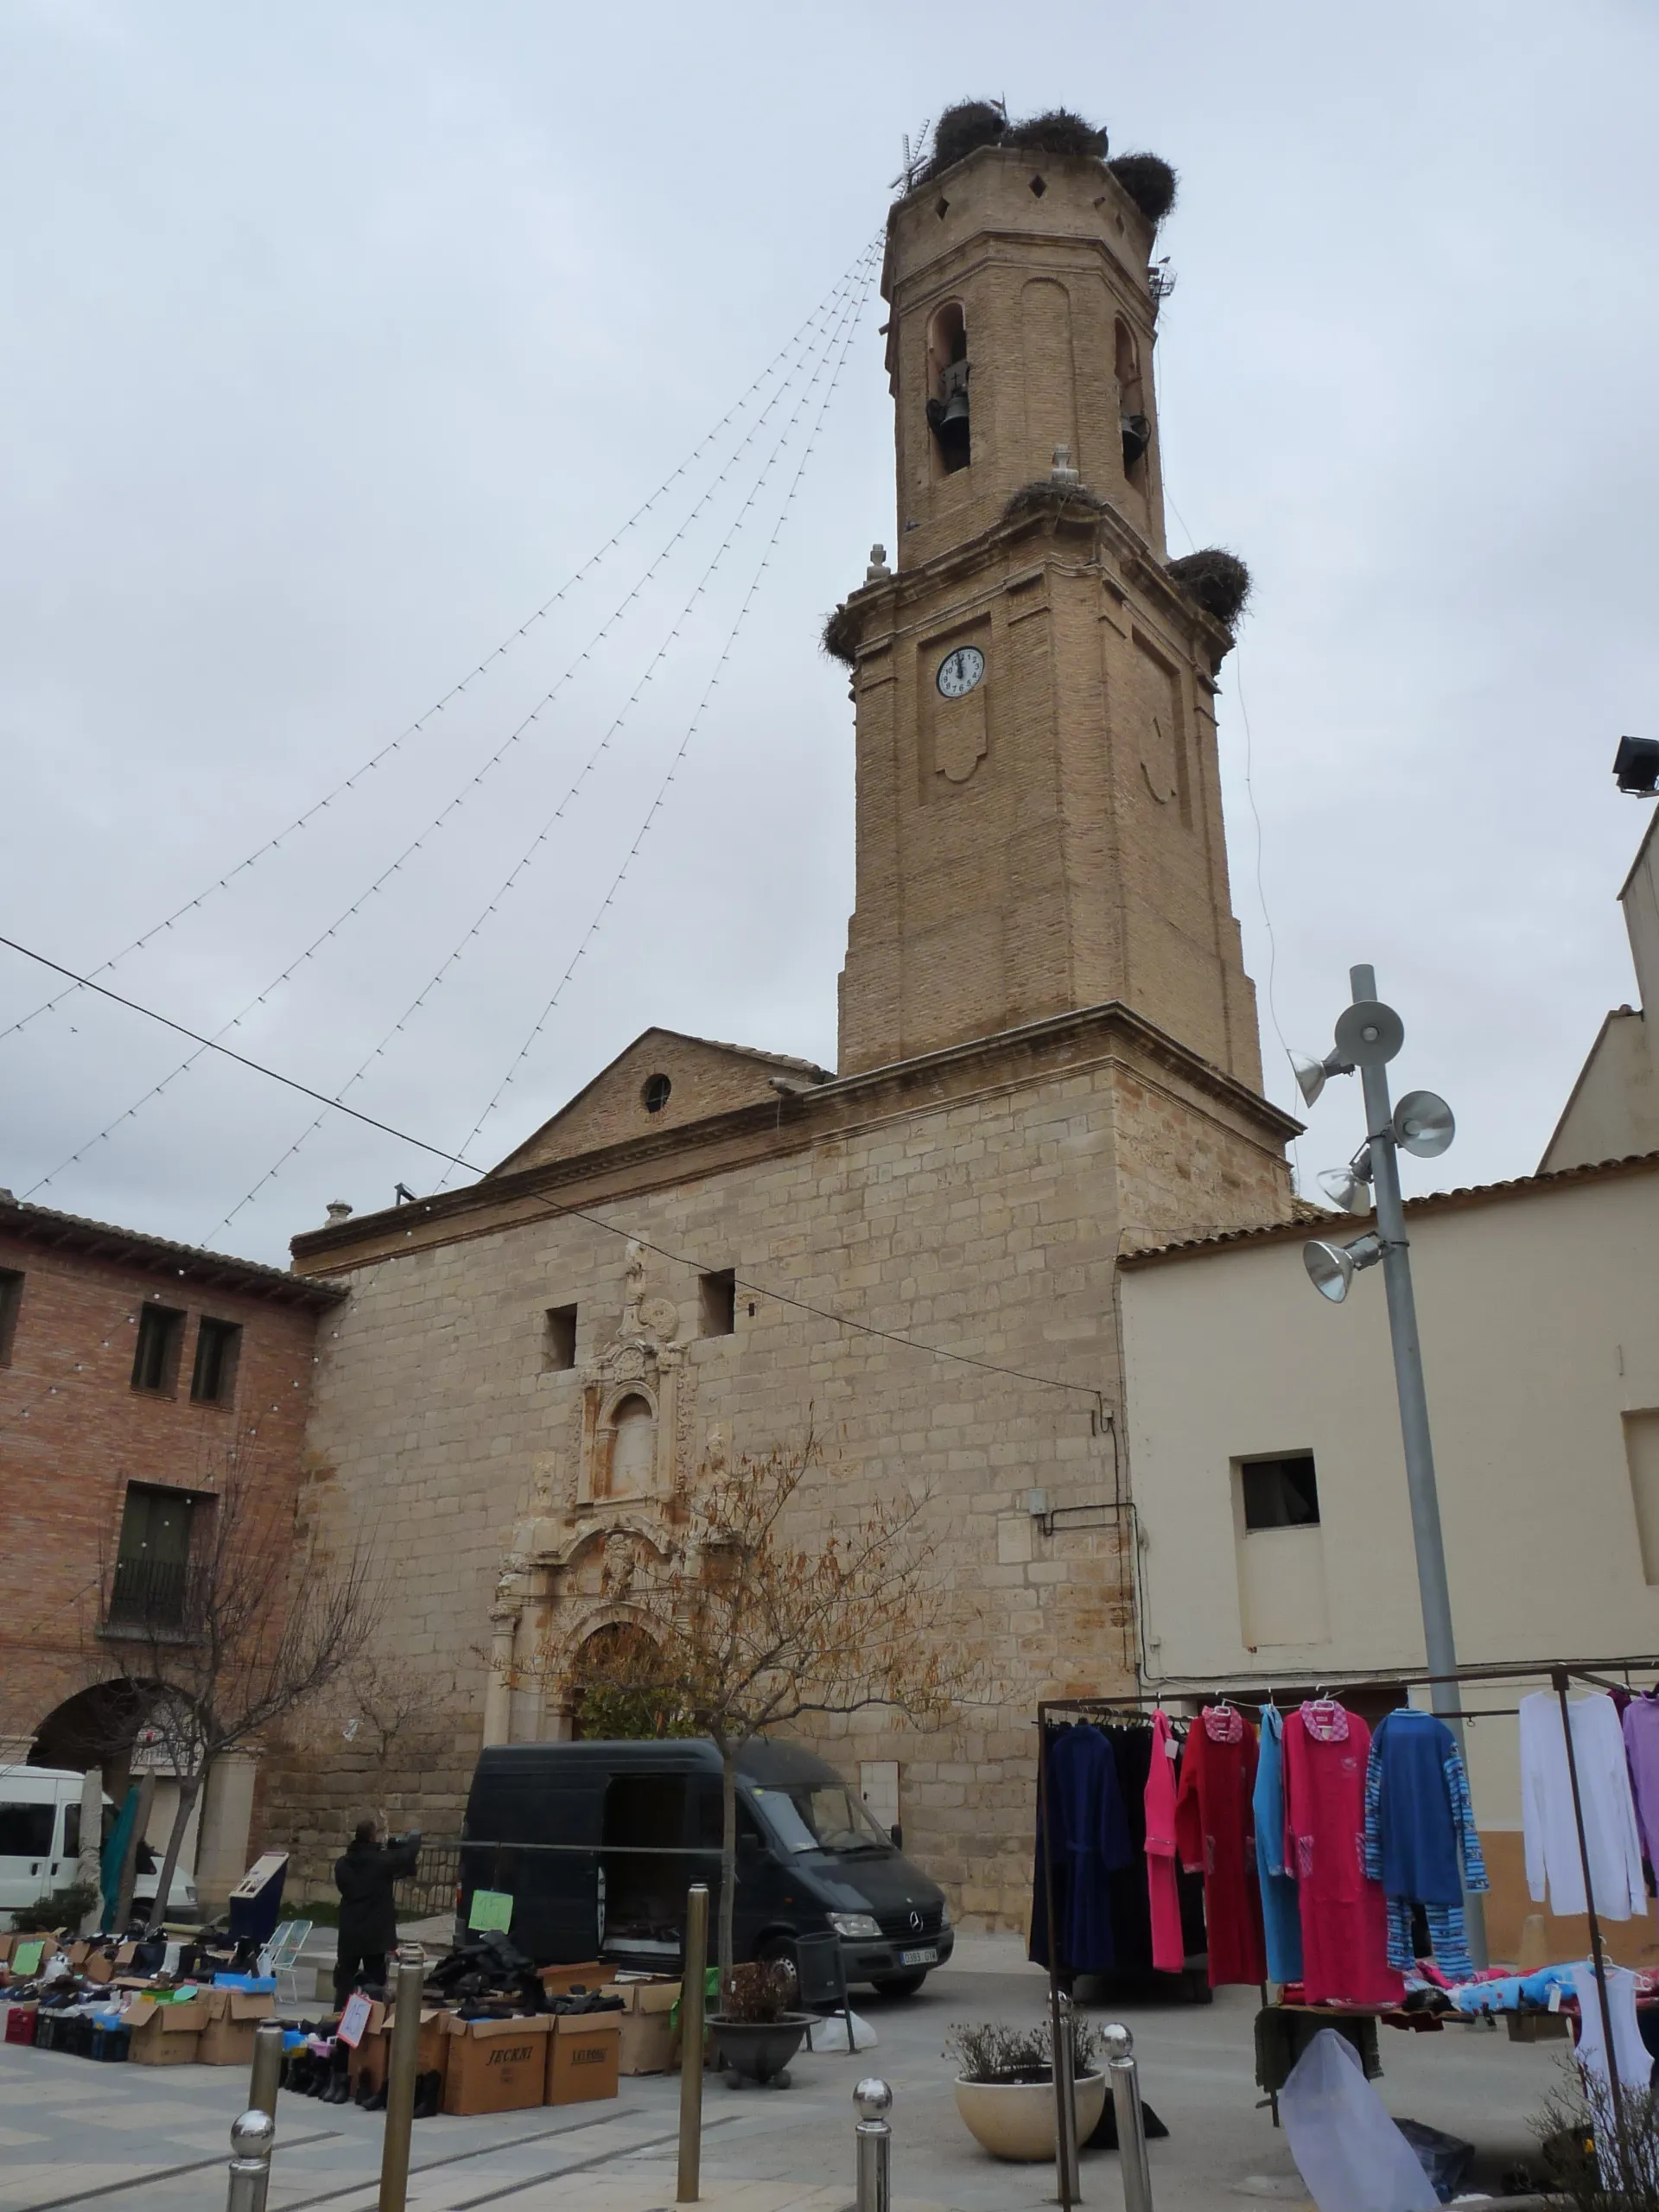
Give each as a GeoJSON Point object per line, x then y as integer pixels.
{"type": "Point", "coordinates": [1048, 1056]}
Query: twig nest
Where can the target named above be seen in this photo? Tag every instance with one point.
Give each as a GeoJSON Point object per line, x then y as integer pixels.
{"type": "Point", "coordinates": [1150, 182]}
{"type": "Point", "coordinates": [1217, 579]}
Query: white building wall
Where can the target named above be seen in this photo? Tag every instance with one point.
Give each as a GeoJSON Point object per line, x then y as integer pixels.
{"type": "Point", "coordinates": [1539, 1318]}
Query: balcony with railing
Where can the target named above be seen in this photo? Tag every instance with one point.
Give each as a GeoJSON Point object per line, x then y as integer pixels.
{"type": "Point", "coordinates": [148, 1597]}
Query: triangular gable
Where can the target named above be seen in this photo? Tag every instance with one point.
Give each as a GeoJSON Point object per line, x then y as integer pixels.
{"type": "Point", "coordinates": [703, 1078]}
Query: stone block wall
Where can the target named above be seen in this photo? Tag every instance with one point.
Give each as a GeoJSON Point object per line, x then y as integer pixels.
{"type": "Point", "coordinates": [984, 1219]}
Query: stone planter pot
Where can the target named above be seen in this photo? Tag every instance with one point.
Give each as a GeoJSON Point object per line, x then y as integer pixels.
{"type": "Point", "coordinates": [1016, 2120]}
{"type": "Point", "coordinates": [760, 2050]}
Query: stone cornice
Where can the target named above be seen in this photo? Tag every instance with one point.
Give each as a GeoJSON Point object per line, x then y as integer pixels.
{"type": "Point", "coordinates": [845, 1106]}
{"type": "Point", "coordinates": [1104, 529]}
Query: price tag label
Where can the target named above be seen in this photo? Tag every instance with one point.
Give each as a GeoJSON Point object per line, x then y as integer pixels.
{"type": "Point", "coordinates": [354, 2020]}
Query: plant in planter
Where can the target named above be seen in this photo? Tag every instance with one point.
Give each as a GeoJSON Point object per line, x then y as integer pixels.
{"type": "Point", "coordinates": [1005, 2085]}
{"type": "Point", "coordinates": [755, 2031]}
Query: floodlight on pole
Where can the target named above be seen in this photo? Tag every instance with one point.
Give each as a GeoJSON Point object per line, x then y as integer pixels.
{"type": "Point", "coordinates": [1311, 1074]}
{"type": "Point", "coordinates": [1332, 1267]}
{"type": "Point", "coordinates": [1367, 1036]}
{"type": "Point", "coordinates": [1349, 1188]}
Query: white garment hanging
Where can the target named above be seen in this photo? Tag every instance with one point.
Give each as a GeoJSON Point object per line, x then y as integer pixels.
{"type": "Point", "coordinates": [1610, 1830]}
{"type": "Point", "coordinates": [1634, 2061]}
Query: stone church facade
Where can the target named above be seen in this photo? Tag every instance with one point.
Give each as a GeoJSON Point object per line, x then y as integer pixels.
{"type": "Point", "coordinates": [1048, 1055]}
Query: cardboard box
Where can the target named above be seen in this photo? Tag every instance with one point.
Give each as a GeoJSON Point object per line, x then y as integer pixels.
{"type": "Point", "coordinates": [373, 2053]}
{"type": "Point", "coordinates": [98, 1967]}
{"type": "Point", "coordinates": [234, 2017]}
{"type": "Point", "coordinates": [583, 2056]}
{"type": "Point", "coordinates": [559, 1981]}
{"type": "Point", "coordinates": [495, 2065]}
{"type": "Point", "coordinates": [649, 2035]}
{"type": "Point", "coordinates": [166, 2035]}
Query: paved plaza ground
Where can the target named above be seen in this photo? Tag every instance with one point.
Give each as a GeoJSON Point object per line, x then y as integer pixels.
{"type": "Point", "coordinates": [144, 2140]}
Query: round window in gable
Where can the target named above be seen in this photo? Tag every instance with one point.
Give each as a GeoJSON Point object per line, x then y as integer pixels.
{"type": "Point", "coordinates": [655, 1093]}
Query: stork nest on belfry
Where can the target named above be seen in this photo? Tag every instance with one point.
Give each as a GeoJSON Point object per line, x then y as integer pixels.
{"type": "Point", "coordinates": [1047, 497]}
{"type": "Point", "coordinates": [1151, 183]}
{"type": "Point", "coordinates": [963, 129]}
{"type": "Point", "coordinates": [1217, 579]}
{"type": "Point", "coordinates": [844, 633]}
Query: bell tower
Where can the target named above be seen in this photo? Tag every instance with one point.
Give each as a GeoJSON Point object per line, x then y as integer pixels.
{"type": "Point", "coordinates": [1038, 811]}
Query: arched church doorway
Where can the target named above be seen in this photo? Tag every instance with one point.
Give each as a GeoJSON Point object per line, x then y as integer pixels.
{"type": "Point", "coordinates": [611, 1692]}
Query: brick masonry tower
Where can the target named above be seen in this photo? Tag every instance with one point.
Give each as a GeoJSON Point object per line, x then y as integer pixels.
{"type": "Point", "coordinates": [1039, 824]}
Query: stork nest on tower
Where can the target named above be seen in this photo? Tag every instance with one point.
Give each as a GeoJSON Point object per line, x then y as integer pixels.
{"type": "Point", "coordinates": [1046, 496]}
{"type": "Point", "coordinates": [1150, 182]}
{"type": "Point", "coordinates": [1217, 579]}
{"type": "Point", "coordinates": [843, 632]}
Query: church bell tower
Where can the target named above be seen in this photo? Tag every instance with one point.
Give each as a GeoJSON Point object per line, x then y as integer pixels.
{"type": "Point", "coordinates": [1039, 814]}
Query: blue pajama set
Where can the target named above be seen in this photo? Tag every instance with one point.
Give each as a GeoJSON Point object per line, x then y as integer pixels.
{"type": "Point", "coordinates": [1421, 1842]}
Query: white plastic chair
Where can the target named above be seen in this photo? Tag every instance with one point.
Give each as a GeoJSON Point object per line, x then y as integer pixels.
{"type": "Point", "coordinates": [281, 1957]}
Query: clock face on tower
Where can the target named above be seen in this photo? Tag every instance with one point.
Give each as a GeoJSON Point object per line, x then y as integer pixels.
{"type": "Point", "coordinates": [959, 671]}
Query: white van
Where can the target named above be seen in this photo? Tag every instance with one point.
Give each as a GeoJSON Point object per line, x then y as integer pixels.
{"type": "Point", "coordinates": [40, 1843]}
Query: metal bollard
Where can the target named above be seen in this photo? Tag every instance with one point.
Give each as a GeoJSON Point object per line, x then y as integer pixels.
{"type": "Point", "coordinates": [400, 2078]}
{"type": "Point", "coordinates": [1068, 2179]}
{"type": "Point", "coordinates": [266, 2077]}
{"type": "Point", "coordinates": [1125, 2077]}
{"type": "Point", "coordinates": [251, 2137]}
{"type": "Point", "coordinates": [874, 2191]}
{"type": "Point", "coordinates": [691, 1988]}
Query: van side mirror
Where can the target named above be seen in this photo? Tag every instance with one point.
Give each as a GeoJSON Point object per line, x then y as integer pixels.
{"type": "Point", "coordinates": [897, 1834]}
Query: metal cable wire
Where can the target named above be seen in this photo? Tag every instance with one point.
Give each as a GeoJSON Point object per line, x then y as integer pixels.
{"type": "Point", "coordinates": [825, 307]}
{"type": "Point", "coordinates": [692, 728]}
{"type": "Point", "coordinates": [459, 799]}
{"type": "Point", "coordinates": [851, 311]}
{"type": "Point", "coordinates": [551, 1207]}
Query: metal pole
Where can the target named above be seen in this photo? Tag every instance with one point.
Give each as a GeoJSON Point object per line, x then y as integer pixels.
{"type": "Point", "coordinates": [875, 2184]}
{"type": "Point", "coordinates": [1432, 1589]}
{"type": "Point", "coordinates": [1051, 1917]}
{"type": "Point", "coordinates": [1125, 2078]}
{"type": "Point", "coordinates": [251, 2137]}
{"type": "Point", "coordinates": [1066, 2105]}
{"type": "Point", "coordinates": [266, 2076]}
{"type": "Point", "coordinates": [1597, 1957]}
{"type": "Point", "coordinates": [400, 2077]}
{"type": "Point", "coordinates": [691, 1990]}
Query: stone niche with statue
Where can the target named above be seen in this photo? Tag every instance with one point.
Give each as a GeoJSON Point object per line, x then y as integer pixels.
{"type": "Point", "coordinates": [617, 1488]}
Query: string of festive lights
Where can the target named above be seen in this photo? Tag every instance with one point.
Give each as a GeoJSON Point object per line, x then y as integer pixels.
{"type": "Point", "coordinates": [825, 308]}
{"type": "Point", "coordinates": [451, 807]}
{"type": "Point", "coordinates": [553, 1209]}
{"type": "Point", "coordinates": [527, 857]}
{"type": "Point", "coordinates": [692, 728]}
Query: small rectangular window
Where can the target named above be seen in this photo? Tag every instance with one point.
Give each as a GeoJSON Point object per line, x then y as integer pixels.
{"type": "Point", "coordinates": [717, 1303]}
{"type": "Point", "coordinates": [155, 1356]}
{"type": "Point", "coordinates": [26, 1831]}
{"type": "Point", "coordinates": [12, 1299]}
{"type": "Point", "coordinates": [1642, 1459]}
{"type": "Point", "coordinates": [152, 1559]}
{"type": "Point", "coordinates": [559, 1340]}
{"type": "Point", "coordinates": [213, 1381]}
{"type": "Point", "coordinates": [1280, 1493]}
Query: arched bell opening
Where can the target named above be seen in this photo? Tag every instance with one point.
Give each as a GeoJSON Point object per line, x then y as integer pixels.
{"type": "Point", "coordinates": [948, 370]}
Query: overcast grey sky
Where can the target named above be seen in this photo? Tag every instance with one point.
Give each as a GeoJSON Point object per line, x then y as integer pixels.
{"type": "Point", "coordinates": [336, 338]}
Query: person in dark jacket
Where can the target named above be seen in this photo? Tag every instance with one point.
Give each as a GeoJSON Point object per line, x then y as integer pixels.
{"type": "Point", "coordinates": [365, 1874]}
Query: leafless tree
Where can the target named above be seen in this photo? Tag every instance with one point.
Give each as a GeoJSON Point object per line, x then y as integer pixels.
{"type": "Point", "coordinates": [259, 1621]}
{"type": "Point", "coordinates": [743, 1628]}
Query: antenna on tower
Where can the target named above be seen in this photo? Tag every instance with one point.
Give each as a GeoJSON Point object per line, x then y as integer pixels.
{"type": "Point", "coordinates": [914, 162]}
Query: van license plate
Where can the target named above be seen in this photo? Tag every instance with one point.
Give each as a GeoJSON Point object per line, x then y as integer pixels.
{"type": "Point", "coordinates": [930, 1957]}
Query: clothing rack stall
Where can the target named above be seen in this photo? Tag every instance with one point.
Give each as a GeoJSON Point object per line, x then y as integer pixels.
{"type": "Point", "coordinates": [1611, 1675]}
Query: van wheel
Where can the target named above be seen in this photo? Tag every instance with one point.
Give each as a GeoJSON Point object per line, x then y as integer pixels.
{"type": "Point", "coordinates": [898, 1985]}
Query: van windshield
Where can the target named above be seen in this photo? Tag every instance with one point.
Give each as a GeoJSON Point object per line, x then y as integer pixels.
{"type": "Point", "coordinates": [826, 1817]}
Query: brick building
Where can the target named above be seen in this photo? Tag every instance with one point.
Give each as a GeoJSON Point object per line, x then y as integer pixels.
{"type": "Point", "coordinates": [1048, 1053]}
{"type": "Point", "coordinates": [133, 1373]}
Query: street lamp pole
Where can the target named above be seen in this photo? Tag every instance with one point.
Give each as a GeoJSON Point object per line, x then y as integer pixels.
{"type": "Point", "coordinates": [1367, 1037]}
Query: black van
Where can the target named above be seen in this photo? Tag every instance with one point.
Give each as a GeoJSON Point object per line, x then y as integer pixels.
{"type": "Point", "coordinates": [597, 1843]}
